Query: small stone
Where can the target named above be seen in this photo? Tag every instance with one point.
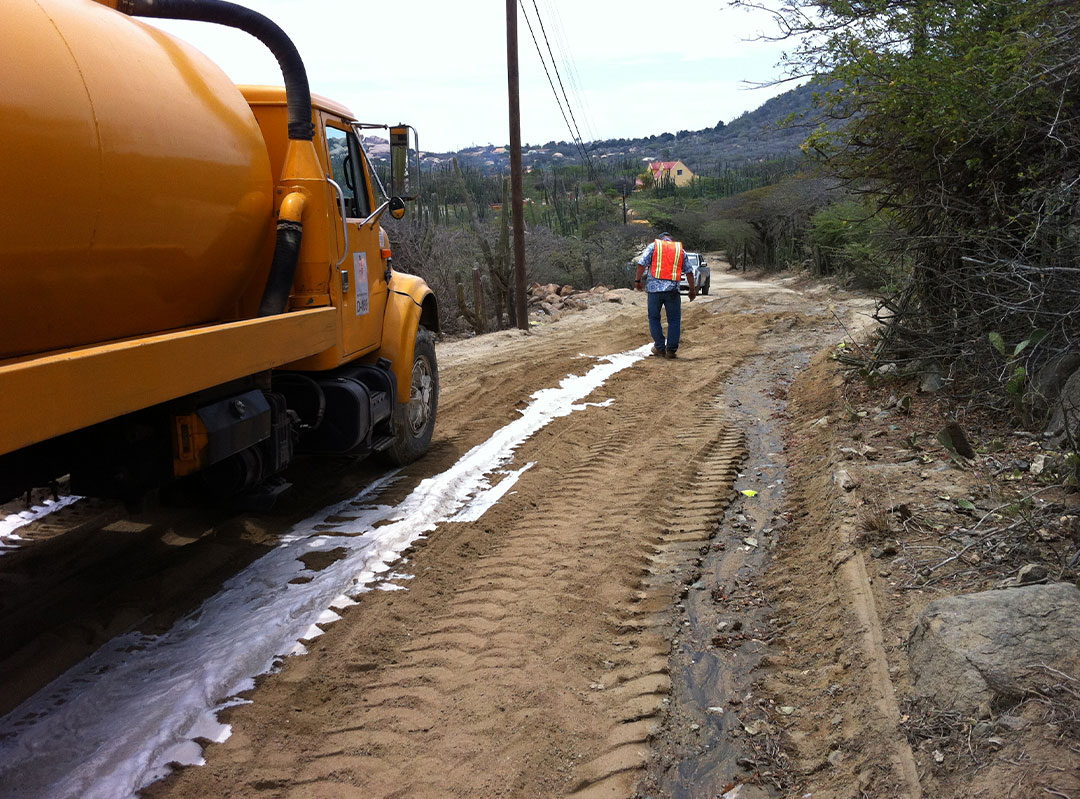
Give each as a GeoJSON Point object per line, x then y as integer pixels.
{"type": "Point", "coordinates": [758, 727]}
{"type": "Point", "coordinates": [1031, 573]}
{"type": "Point", "coordinates": [983, 711]}
{"type": "Point", "coordinates": [837, 720]}
{"type": "Point", "coordinates": [1011, 722]}
{"type": "Point", "coordinates": [746, 791]}
{"type": "Point", "coordinates": [787, 710]}
{"type": "Point", "coordinates": [695, 727]}
{"type": "Point", "coordinates": [844, 479]}
{"type": "Point", "coordinates": [886, 551]}
{"type": "Point", "coordinates": [715, 709]}
{"type": "Point", "coordinates": [836, 757]}
{"type": "Point", "coordinates": [932, 382]}
{"type": "Point", "coordinates": [939, 756]}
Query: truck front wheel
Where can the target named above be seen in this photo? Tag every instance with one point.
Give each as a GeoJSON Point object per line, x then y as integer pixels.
{"type": "Point", "coordinates": [414, 421]}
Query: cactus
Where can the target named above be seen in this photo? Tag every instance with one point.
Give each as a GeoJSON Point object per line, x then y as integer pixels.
{"type": "Point", "coordinates": [474, 316]}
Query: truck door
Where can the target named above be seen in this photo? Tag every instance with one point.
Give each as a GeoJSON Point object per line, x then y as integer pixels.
{"type": "Point", "coordinates": [361, 275]}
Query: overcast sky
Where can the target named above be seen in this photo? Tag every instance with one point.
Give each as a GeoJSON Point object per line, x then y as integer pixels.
{"type": "Point", "coordinates": [629, 68]}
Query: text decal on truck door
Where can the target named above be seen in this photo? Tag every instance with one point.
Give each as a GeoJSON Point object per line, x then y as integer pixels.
{"type": "Point", "coordinates": [360, 276]}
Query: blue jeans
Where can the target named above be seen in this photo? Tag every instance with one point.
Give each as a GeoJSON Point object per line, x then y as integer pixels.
{"type": "Point", "coordinates": [671, 302]}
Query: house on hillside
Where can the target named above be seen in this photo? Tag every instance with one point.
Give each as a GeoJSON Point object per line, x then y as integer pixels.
{"type": "Point", "coordinates": [676, 171]}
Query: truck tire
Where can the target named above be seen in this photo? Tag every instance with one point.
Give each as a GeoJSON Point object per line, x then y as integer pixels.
{"type": "Point", "coordinates": [414, 421]}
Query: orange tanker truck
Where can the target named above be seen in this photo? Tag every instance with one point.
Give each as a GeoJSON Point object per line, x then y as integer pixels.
{"type": "Point", "coordinates": [194, 283]}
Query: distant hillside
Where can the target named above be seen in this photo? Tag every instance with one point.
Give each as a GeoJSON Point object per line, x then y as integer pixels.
{"type": "Point", "coordinates": [754, 136]}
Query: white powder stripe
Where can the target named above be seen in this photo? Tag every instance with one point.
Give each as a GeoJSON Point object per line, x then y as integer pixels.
{"type": "Point", "coordinates": [111, 724]}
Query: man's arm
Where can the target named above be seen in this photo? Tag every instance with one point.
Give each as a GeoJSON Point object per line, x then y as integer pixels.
{"type": "Point", "coordinates": [690, 285]}
{"type": "Point", "coordinates": [645, 257]}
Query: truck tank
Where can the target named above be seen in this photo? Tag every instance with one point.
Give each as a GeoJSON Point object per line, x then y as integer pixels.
{"type": "Point", "coordinates": [140, 191]}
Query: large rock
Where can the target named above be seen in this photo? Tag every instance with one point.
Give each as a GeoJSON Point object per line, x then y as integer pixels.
{"type": "Point", "coordinates": [1048, 381]}
{"type": "Point", "coordinates": [966, 650]}
{"type": "Point", "coordinates": [1064, 424]}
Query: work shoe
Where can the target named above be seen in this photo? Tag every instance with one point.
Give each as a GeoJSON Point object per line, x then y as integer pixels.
{"type": "Point", "coordinates": [670, 354]}
{"type": "Point", "coordinates": [655, 351]}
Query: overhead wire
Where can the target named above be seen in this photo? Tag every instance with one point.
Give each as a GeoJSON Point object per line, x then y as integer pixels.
{"type": "Point", "coordinates": [554, 66]}
{"type": "Point", "coordinates": [575, 136]}
{"type": "Point", "coordinates": [570, 68]}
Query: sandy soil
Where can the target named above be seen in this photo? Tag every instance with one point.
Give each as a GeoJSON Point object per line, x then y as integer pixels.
{"type": "Point", "coordinates": [625, 622]}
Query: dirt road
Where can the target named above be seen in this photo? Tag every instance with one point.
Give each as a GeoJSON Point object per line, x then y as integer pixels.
{"type": "Point", "coordinates": [531, 650]}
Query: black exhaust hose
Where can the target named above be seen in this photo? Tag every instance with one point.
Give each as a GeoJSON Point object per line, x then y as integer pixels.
{"type": "Point", "coordinates": [297, 91]}
{"type": "Point", "coordinates": [275, 299]}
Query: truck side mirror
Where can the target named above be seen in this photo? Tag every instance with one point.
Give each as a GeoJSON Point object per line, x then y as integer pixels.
{"type": "Point", "coordinates": [397, 207]}
{"type": "Point", "coordinates": [404, 163]}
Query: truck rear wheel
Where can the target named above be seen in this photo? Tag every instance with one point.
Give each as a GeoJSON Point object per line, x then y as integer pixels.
{"type": "Point", "coordinates": [414, 421]}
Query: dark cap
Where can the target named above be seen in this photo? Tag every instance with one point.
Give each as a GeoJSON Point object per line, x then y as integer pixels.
{"type": "Point", "coordinates": [665, 236]}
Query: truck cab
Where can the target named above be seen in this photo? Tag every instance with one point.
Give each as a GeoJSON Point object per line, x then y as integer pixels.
{"type": "Point", "coordinates": [225, 299]}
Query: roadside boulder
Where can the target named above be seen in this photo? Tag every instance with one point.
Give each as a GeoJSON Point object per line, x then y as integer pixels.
{"type": "Point", "coordinates": [1049, 380]}
{"type": "Point", "coordinates": [994, 645]}
{"type": "Point", "coordinates": [1064, 424]}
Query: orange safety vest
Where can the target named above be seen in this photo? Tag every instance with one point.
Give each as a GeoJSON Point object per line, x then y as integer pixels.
{"type": "Point", "coordinates": [666, 259]}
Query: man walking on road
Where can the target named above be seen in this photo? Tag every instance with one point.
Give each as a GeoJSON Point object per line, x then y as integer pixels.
{"type": "Point", "coordinates": [661, 264]}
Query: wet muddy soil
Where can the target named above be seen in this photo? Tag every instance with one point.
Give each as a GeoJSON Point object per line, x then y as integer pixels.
{"type": "Point", "coordinates": [719, 731]}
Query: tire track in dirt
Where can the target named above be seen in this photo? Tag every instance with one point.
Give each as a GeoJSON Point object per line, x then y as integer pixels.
{"type": "Point", "coordinates": [529, 656]}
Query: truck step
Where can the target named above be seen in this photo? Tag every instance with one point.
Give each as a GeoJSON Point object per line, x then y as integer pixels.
{"type": "Point", "coordinates": [379, 444]}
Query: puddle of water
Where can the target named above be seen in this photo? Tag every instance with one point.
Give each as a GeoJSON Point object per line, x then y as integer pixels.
{"type": "Point", "coordinates": [112, 724]}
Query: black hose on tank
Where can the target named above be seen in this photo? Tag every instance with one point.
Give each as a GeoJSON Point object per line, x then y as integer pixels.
{"type": "Point", "coordinates": [275, 299]}
{"type": "Point", "coordinates": [297, 91]}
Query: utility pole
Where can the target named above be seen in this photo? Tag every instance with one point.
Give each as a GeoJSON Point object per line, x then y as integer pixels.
{"type": "Point", "coordinates": [516, 193]}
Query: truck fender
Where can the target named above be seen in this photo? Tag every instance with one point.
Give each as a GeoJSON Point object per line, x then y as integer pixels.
{"type": "Point", "coordinates": [410, 304]}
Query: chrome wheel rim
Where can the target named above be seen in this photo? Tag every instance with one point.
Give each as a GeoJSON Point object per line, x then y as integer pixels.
{"type": "Point", "coordinates": [421, 395]}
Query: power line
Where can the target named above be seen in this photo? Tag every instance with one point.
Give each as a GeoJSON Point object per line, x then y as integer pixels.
{"type": "Point", "coordinates": [552, 10]}
{"type": "Point", "coordinates": [557, 75]}
{"type": "Point", "coordinates": [575, 137]}
{"type": "Point", "coordinates": [551, 83]}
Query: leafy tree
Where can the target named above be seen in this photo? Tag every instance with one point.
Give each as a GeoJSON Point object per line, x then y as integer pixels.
{"type": "Point", "coordinates": [961, 119]}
